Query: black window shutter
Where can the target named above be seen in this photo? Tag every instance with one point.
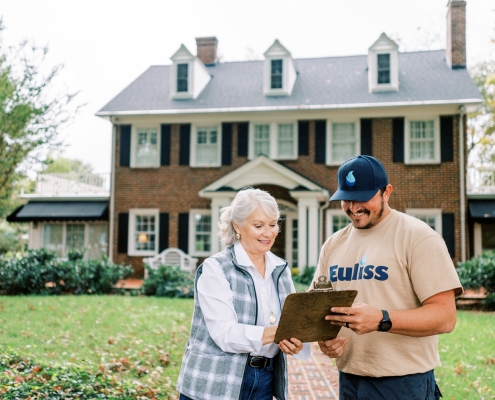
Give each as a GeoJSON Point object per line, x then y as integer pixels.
{"type": "Point", "coordinates": [185, 144]}
{"type": "Point", "coordinates": [163, 234]}
{"type": "Point", "coordinates": [303, 132]}
{"type": "Point", "coordinates": [398, 139]}
{"type": "Point", "coordinates": [226, 143]}
{"type": "Point", "coordinates": [447, 138]}
{"type": "Point", "coordinates": [123, 233]}
{"type": "Point", "coordinates": [320, 141]}
{"type": "Point", "coordinates": [448, 232]}
{"type": "Point", "coordinates": [125, 145]}
{"type": "Point", "coordinates": [242, 139]}
{"type": "Point", "coordinates": [165, 145]}
{"type": "Point", "coordinates": [366, 136]}
{"type": "Point", "coordinates": [184, 232]}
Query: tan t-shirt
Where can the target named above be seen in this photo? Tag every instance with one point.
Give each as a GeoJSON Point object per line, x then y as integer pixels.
{"type": "Point", "coordinates": [395, 265]}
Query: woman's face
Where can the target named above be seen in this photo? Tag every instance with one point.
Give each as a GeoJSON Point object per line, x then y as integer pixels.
{"type": "Point", "coordinates": [258, 232]}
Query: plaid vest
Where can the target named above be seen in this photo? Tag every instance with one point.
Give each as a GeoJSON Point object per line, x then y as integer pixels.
{"type": "Point", "coordinates": [208, 373]}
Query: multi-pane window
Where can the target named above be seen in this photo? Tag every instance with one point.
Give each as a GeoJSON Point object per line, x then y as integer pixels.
{"type": "Point", "coordinates": [335, 221]}
{"type": "Point", "coordinates": [262, 140]}
{"type": "Point", "coordinates": [431, 216]}
{"type": "Point", "coordinates": [53, 238]}
{"type": "Point", "coordinates": [146, 147]}
{"type": "Point", "coordinates": [421, 140]}
{"type": "Point", "coordinates": [295, 241]}
{"type": "Point", "coordinates": [202, 233]}
{"type": "Point", "coordinates": [383, 68]}
{"type": "Point", "coordinates": [343, 141]}
{"type": "Point", "coordinates": [276, 74]}
{"type": "Point", "coordinates": [61, 237]}
{"type": "Point", "coordinates": [145, 233]}
{"type": "Point", "coordinates": [207, 146]}
{"type": "Point", "coordinates": [285, 140]}
{"type": "Point", "coordinates": [182, 77]}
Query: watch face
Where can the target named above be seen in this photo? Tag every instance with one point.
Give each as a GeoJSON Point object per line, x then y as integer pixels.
{"type": "Point", "coordinates": [385, 326]}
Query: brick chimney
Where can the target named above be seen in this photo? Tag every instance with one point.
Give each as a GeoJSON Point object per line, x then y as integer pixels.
{"type": "Point", "coordinates": [456, 34]}
{"type": "Point", "coordinates": [207, 49]}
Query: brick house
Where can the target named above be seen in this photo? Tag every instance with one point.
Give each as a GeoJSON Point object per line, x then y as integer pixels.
{"type": "Point", "coordinates": [187, 136]}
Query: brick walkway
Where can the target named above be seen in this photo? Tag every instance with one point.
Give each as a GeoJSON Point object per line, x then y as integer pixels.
{"type": "Point", "coordinates": [315, 378]}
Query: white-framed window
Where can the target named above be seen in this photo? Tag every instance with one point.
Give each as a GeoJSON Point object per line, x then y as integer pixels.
{"type": "Point", "coordinates": [276, 74]}
{"type": "Point", "coordinates": [335, 221]}
{"type": "Point", "coordinates": [343, 141]}
{"type": "Point", "coordinates": [206, 146]}
{"type": "Point", "coordinates": [182, 78]}
{"type": "Point", "coordinates": [64, 236]}
{"type": "Point", "coordinates": [145, 147]}
{"type": "Point", "coordinates": [276, 140]}
{"type": "Point", "coordinates": [383, 65]}
{"type": "Point", "coordinates": [200, 232]}
{"type": "Point", "coordinates": [143, 232]}
{"type": "Point", "coordinates": [422, 141]}
{"type": "Point", "coordinates": [383, 68]}
{"type": "Point", "coordinates": [432, 216]}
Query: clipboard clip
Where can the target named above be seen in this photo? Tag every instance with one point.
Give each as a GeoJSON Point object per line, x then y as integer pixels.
{"type": "Point", "coordinates": [322, 285]}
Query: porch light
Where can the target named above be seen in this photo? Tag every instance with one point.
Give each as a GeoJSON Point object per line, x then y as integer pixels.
{"type": "Point", "coordinates": [142, 238]}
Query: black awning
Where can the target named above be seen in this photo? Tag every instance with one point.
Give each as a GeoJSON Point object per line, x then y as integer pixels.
{"type": "Point", "coordinates": [482, 210]}
{"type": "Point", "coordinates": [61, 211]}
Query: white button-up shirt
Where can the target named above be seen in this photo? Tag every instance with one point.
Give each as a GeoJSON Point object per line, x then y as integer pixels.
{"type": "Point", "coordinates": [216, 301]}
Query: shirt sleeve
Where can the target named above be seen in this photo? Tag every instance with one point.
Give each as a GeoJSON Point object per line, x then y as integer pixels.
{"type": "Point", "coordinates": [216, 301]}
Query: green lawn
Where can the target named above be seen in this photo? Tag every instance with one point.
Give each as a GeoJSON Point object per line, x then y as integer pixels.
{"type": "Point", "coordinates": [143, 338]}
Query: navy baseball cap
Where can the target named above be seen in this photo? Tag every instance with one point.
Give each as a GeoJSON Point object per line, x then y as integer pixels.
{"type": "Point", "coordinates": [360, 178]}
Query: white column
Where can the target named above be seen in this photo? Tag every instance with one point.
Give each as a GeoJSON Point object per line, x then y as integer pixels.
{"type": "Point", "coordinates": [313, 229]}
{"type": "Point", "coordinates": [216, 204]}
{"type": "Point", "coordinates": [302, 226]}
{"type": "Point", "coordinates": [477, 240]}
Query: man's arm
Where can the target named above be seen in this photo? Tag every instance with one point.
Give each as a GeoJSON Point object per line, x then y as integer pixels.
{"type": "Point", "coordinates": [436, 315]}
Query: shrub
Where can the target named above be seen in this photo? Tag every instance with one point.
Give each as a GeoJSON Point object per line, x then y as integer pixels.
{"type": "Point", "coordinates": [479, 272]}
{"type": "Point", "coordinates": [42, 272]}
{"type": "Point", "coordinates": [168, 281]}
{"type": "Point", "coordinates": [306, 277]}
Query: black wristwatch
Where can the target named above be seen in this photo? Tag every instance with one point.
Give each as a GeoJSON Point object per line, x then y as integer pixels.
{"type": "Point", "coordinates": [385, 324]}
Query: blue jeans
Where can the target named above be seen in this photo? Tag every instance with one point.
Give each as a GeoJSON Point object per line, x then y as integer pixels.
{"type": "Point", "coordinates": [257, 384]}
{"type": "Point", "coordinates": [408, 387]}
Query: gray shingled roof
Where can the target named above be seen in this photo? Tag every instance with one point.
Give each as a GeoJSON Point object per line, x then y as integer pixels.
{"type": "Point", "coordinates": [332, 81]}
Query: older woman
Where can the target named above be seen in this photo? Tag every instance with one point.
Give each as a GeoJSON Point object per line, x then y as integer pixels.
{"type": "Point", "coordinates": [239, 296]}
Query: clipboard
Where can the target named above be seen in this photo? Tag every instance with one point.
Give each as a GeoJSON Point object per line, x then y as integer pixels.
{"type": "Point", "coordinates": [303, 315]}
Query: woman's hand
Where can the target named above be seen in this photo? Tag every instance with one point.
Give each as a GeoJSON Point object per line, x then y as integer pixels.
{"type": "Point", "coordinates": [291, 347]}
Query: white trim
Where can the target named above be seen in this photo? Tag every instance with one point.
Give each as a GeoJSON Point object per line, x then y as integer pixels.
{"type": "Point", "coordinates": [273, 126]}
{"type": "Point", "coordinates": [193, 144]}
{"type": "Point", "coordinates": [289, 75]}
{"type": "Point", "coordinates": [357, 143]}
{"type": "Point", "coordinates": [436, 139]}
{"type": "Point", "coordinates": [192, 233]}
{"type": "Point", "coordinates": [329, 214]}
{"type": "Point", "coordinates": [383, 45]}
{"type": "Point", "coordinates": [133, 213]}
{"type": "Point", "coordinates": [435, 212]}
{"type": "Point", "coordinates": [478, 239]}
{"type": "Point", "coordinates": [134, 140]}
{"type": "Point", "coordinates": [292, 108]}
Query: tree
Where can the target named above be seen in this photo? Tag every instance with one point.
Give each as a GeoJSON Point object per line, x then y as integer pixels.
{"type": "Point", "coordinates": [32, 112]}
{"type": "Point", "coordinates": [481, 124]}
{"type": "Point", "coordinates": [65, 165]}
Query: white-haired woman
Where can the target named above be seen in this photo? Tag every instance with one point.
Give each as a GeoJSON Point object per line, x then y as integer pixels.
{"type": "Point", "coordinates": [239, 294]}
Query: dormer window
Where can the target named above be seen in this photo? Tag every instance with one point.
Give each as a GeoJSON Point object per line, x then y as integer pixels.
{"type": "Point", "coordinates": [279, 72]}
{"type": "Point", "coordinates": [276, 74]}
{"type": "Point", "coordinates": [188, 75]}
{"type": "Point", "coordinates": [182, 72]}
{"type": "Point", "coordinates": [383, 68]}
{"type": "Point", "coordinates": [383, 65]}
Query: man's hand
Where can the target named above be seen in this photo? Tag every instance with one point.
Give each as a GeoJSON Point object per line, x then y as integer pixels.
{"type": "Point", "coordinates": [361, 317]}
{"type": "Point", "coordinates": [333, 348]}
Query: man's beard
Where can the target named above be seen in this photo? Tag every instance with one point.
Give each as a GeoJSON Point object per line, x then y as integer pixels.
{"type": "Point", "coordinates": [373, 221]}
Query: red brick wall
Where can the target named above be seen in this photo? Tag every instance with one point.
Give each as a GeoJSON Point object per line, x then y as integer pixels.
{"type": "Point", "coordinates": [174, 188]}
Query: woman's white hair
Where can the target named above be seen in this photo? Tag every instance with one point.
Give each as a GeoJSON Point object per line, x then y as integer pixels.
{"type": "Point", "coordinates": [243, 205]}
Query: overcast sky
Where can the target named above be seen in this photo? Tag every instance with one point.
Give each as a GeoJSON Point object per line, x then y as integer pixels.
{"type": "Point", "coordinates": [104, 45]}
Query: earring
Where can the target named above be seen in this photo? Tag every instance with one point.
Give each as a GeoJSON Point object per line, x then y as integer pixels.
{"type": "Point", "coordinates": [238, 236]}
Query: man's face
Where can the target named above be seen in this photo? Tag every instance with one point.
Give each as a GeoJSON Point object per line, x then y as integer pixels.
{"type": "Point", "coordinates": [365, 215]}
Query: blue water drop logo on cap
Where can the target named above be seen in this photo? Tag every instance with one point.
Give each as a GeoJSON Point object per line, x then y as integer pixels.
{"type": "Point", "coordinates": [349, 179]}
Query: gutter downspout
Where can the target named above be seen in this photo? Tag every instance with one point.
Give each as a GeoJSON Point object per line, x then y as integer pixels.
{"type": "Point", "coordinates": [462, 110]}
{"type": "Point", "coordinates": [112, 194]}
